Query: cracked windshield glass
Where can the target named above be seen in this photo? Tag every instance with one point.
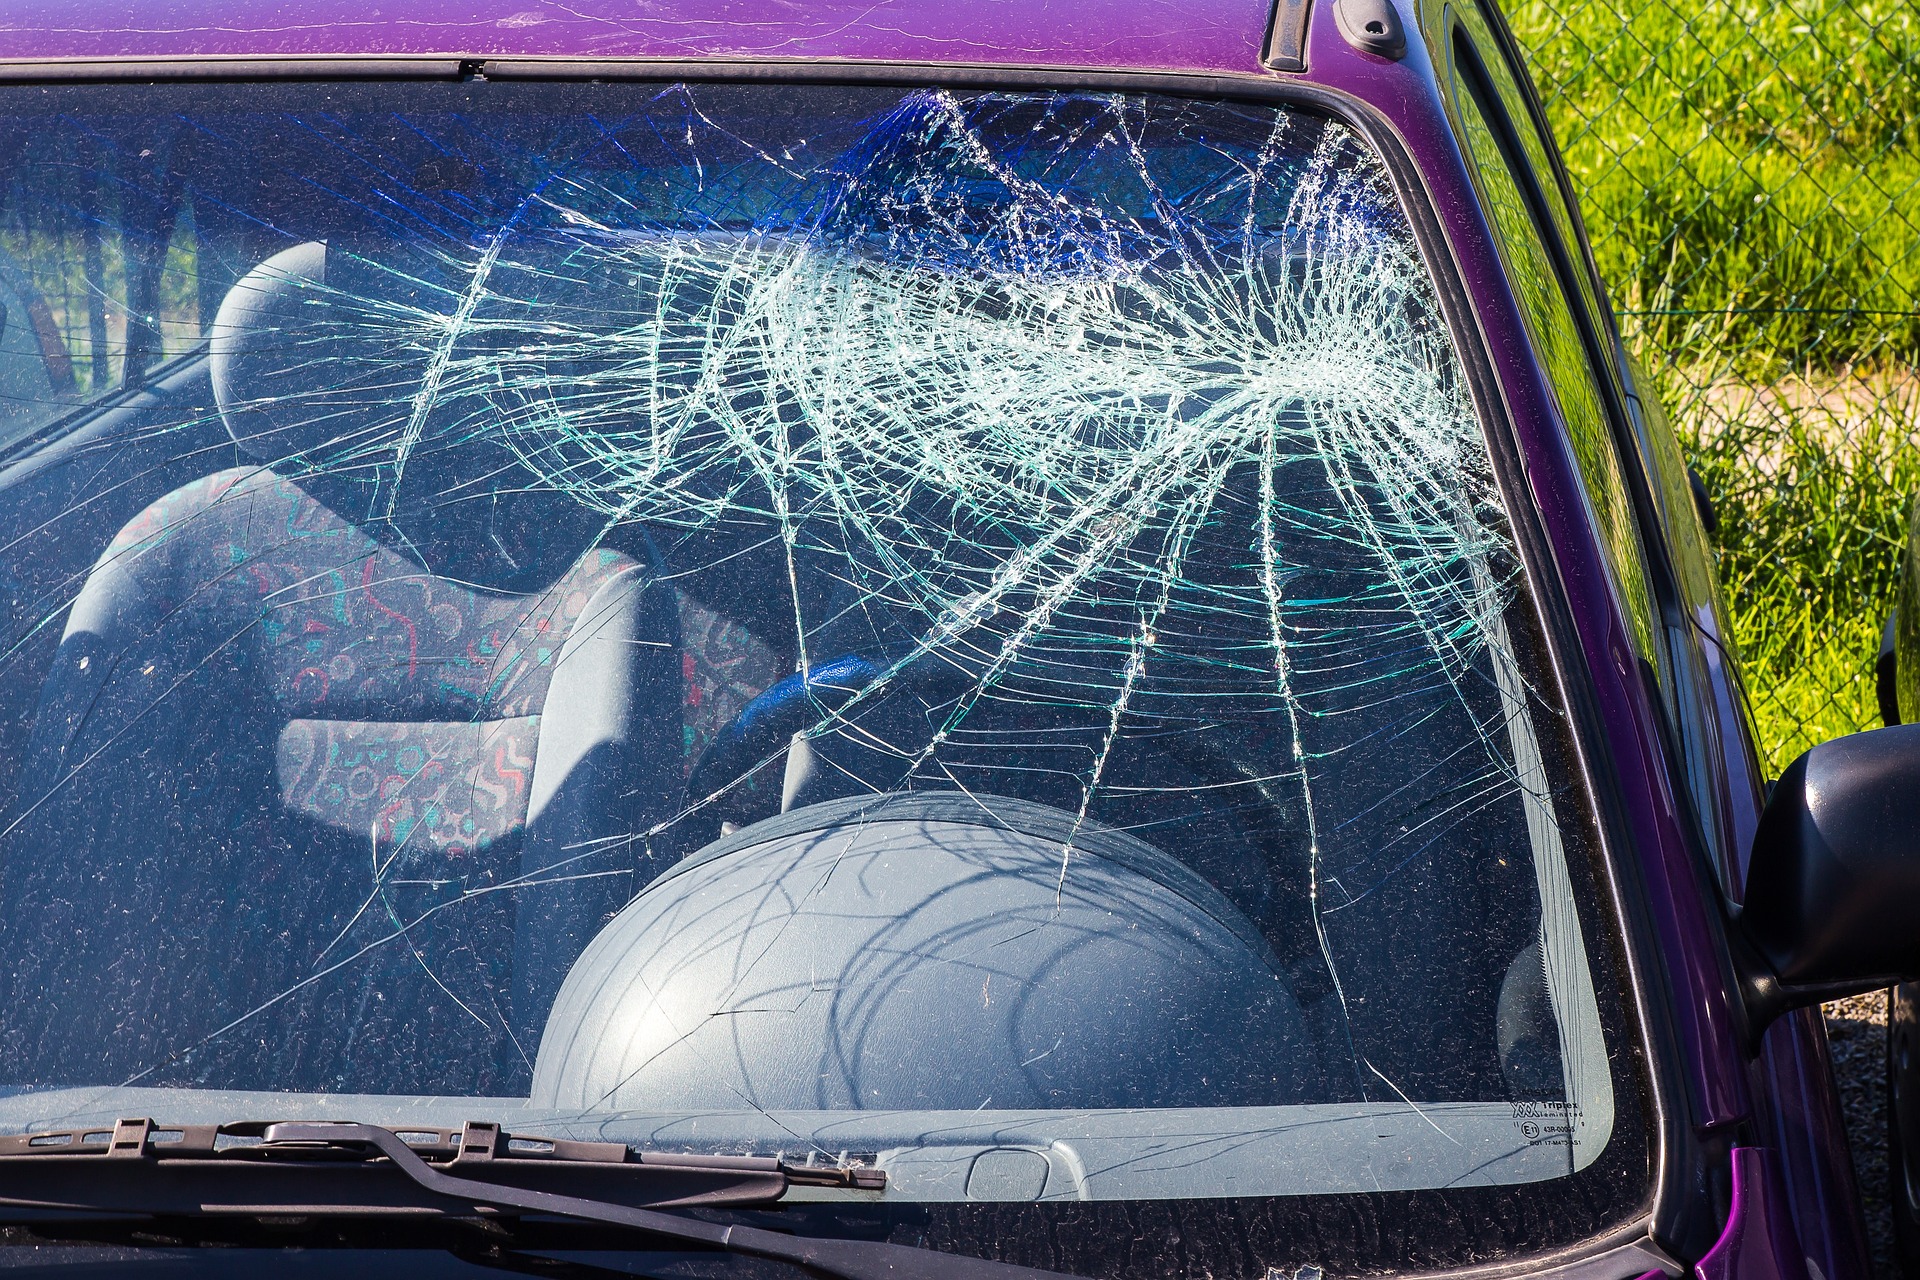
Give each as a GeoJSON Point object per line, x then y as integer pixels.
{"type": "Point", "coordinates": [973, 632]}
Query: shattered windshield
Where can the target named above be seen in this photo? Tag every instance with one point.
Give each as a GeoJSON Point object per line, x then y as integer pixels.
{"type": "Point", "coordinates": [968, 631]}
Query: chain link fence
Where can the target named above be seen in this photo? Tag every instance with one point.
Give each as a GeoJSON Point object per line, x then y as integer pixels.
{"type": "Point", "coordinates": [1750, 177]}
{"type": "Point", "coordinates": [1751, 181]}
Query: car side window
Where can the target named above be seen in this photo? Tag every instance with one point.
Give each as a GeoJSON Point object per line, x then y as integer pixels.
{"type": "Point", "coordinates": [1505, 85]}
{"type": "Point", "coordinates": [1653, 436]}
{"type": "Point", "coordinates": [1556, 339]}
{"type": "Point", "coordinates": [108, 268]}
{"type": "Point", "coordinates": [1523, 234]}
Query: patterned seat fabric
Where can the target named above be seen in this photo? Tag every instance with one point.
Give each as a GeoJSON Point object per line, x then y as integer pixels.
{"type": "Point", "coordinates": [383, 672]}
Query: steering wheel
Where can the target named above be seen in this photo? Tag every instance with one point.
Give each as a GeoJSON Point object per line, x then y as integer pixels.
{"type": "Point", "coordinates": [744, 751]}
{"type": "Point", "coordinates": [766, 724]}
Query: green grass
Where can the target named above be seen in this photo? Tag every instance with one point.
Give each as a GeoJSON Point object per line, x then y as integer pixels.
{"type": "Point", "coordinates": [1812, 497]}
{"type": "Point", "coordinates": [1750, 177]}
{"type": "Point", "coordinates": [1750, 172]}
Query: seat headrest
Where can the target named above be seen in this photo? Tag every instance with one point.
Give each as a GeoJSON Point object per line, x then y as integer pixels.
{"type": "Point", "coordinates": [304, 366]}
{"type": "Point", "coordinates": [317, 363]}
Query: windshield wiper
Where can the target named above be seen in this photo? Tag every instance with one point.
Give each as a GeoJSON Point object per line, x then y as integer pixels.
{"type": "Point", "coordinates": [260, 1168]}
{"type": "Point", "coordinates": [481, 1154]}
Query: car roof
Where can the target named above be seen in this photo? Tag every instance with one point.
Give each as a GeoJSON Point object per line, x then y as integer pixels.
{"type": "Point", "coordinates": [1212, 36]}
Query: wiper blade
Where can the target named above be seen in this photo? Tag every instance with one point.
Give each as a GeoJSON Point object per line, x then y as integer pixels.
{"type": "Point", "coordinates": [480, 1151]}
{"type": "Point", "coordinates": [224, 1169]}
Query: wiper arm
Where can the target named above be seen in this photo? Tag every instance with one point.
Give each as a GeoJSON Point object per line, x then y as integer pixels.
{"type": "Point", "coordinates": [481, 1153]}
{"type": "Point", "coordinates": [192, 1171]}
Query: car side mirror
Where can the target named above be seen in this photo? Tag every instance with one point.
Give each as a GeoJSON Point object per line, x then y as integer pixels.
{"type": "Point", "coordinates": [1833, 886]}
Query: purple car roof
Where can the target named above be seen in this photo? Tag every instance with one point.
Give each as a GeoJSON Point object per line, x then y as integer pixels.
{"type": "Point", "coordinates": [1176, 35]}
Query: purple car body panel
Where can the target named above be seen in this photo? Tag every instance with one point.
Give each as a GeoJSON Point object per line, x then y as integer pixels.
{"type": "Point", "coordinates": [1792, 1202]}
{"type": "Point", "coordinates": [1759, 1243]}
{"type": "Point", "coordinates": [1171, 35]}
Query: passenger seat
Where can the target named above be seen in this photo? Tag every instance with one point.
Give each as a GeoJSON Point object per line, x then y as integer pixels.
{"type": "Point", "coordinates": [333, 776]}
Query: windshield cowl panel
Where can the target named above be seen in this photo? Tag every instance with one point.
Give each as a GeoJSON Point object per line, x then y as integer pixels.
{"type": "Point", "coordinates": [967, 633]}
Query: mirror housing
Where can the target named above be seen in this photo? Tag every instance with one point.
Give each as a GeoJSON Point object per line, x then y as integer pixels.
{"type": "Point", "coordinates": [1833, 887]}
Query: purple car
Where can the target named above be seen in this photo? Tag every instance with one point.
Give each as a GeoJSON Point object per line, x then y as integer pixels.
{"type": "Point", "coordinates": [897, 639]}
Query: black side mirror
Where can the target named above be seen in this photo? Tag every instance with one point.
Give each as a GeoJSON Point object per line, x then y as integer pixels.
{"type": "Point", "coordinates": [1703, 503]}
{"type": "Point", "coordinates": [1833, 887]}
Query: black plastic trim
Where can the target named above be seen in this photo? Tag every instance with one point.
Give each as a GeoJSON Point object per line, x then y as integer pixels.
{"type": "Point", "coordinates": [455, 67]}
{"type": "Point", "coordinates": [1371, 26]}
{"type": "Point", "coordinates": [1285, 48]}
{"type": "Point", "coordinates": [158, 70]}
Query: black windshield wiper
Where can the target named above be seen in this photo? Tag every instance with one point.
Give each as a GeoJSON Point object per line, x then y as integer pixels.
{"type": "Point", "coordinates": [481, 1155]}
{"type": "Point", "coordinates": [261, 1168]}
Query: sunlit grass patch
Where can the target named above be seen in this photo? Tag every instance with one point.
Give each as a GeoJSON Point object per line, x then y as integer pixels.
{"type": "Point", "coordinates": [1750, 178]}
{"type": "Point", "coordinates": [1750, 173]}
{"type": "Point", "coordinates": [1811, 477]}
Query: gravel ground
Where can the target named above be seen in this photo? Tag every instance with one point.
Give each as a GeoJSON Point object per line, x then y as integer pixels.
{"type": "Point", "coordinates": [1857, 1031]}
